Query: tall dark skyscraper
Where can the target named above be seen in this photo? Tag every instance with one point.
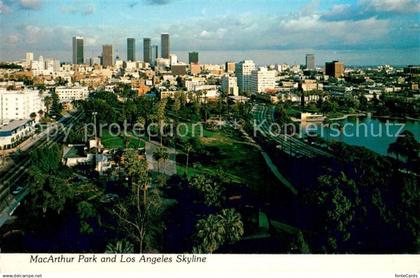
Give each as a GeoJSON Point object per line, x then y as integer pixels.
{"type": "Point", "coordinates": [310, 61]}
{"type": "Point", "coordinates": [334, 69]}
{"type": "Point", "coordinates": [78, 50]}
{"type": "Point", "coordinates": [131, 49]}
{"type": "Point", "coordinates": [165, 45]}
{"type": "Point", "coordinates": [147, 53]}
{"type": "Point", "coordinates": [193, 58]}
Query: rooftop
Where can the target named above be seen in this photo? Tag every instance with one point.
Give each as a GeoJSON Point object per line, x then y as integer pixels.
{"type": "Point", "coordinates": [13, 124]}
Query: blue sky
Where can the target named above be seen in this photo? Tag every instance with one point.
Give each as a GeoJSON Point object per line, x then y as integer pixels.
{"type": "Point", "coordinates": [358, 31]}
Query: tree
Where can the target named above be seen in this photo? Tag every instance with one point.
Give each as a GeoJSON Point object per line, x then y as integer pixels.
{"type": "Point", "coordinates": [217, 229]}
{"type": "Point", "coordinates": [48, 102]}
{"type": "Point", "coordinates": [160, 154]}
{"type": "Point", "coordinates": [32, 116]}
{"type": "Point", "coordinates": [139, 214]}
{"type": "Point", "coordinates": [187, 150]}
{"type": "Point", "coordinates": [120, 247]}
{"type": "Point", "coordinates": [159, 116]}
{"type": "Point", "coordinates": [209, 188]}
{"type": "Point", "coordinates": [406, 146]}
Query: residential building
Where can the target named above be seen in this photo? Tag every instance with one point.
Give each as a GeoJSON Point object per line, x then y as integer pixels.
{"type": "Point", "coordinates": [78, 57]}
{"type": "Point", "coordinates": [131, 49]}
{"type": "Point", "coordinates": [179, 69]}
{"type": "Point", "coordinates": [19, 104]}
{"type": "Point", "coordinates": [165, 46]}
{"type": "Point", "coordinates": [243, 72]}
{"type": "Point", "coordinates": [173, 59]}
{"type": "Point", "coordinates": [68, 94]}
{"type": "Point", "coordinates": [262, 80]}
{"type": "Point", "coordinates": [230, 85]}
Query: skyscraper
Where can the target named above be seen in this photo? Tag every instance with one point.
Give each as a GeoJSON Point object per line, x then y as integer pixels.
{"type": "Point", "coordinates": [243, 73]}
{"type": "Point", "coordinates": [193, 58]}
{"type": "Point", "coordinates": [131, 49]}
{"type": "Point", "coordinates": [165, 45]}
{"type": "Point", "coordinates": [310, 61]}
{"type": "Point", "coordinates": [147, 52]}
{"type": "Point", "coordinates": [78, 50]}
{"type": "Point", "coordinates": [107, 55]}
{"type": "Point", "coordinates": [155, 54]}
{"type": "Point", "coordinates": [334, 69]}
{"type": "Point", "coordinates": [29, 58]}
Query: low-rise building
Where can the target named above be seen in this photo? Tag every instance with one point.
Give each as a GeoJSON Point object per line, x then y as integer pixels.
{"type": "Point", "coordinates": [69, 94]}
{"type": "Point", "coordinates": [15, 132]}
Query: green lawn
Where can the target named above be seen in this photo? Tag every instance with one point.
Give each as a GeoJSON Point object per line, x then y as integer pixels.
{"type": "Point", "coordinates": [241, 162]}
{"type": "Point", "coordinates": [114, 142]}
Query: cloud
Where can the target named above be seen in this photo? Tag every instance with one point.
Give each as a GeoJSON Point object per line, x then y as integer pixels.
{"type": "Point", "coordinates": [157, 2]}
{"type": "Point", "coordinates": [372, 8]}
{"type": "Point", "coordinates": [133, 4]}
{"type": "Point", "coordinates": [4, 9]}
{"type": "Point", "coordinates": [30, 4]}
{"type": "Point", "coordinates": [82, 9]}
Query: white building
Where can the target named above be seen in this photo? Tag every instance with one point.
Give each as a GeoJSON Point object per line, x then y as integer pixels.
{"type": "Point", "coordinates": [16, 105]}
{"type": "Point", "coordinates": [68, 94]}
{"type": "Point", "coordinates": [230, 85]}
{"type": "Point", "coordinates": [29, 59]}
{"type": "Point", "coordinates": [193, 82]}
{"type": "Point", "coordinates": [243, 73]}
{"type": "Point", "coordinates": [173, 59]}
{"type": "Point", "coordinates": [14, 132]}
{"type": "Point", "coordinates": [262, 80]}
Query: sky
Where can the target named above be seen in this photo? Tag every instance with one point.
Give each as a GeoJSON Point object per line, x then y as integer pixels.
{"type": "Point", "coordinates": [358, 32]}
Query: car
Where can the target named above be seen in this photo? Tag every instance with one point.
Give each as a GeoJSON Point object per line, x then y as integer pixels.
{"type": "Point", "coordinates": [17, 190]}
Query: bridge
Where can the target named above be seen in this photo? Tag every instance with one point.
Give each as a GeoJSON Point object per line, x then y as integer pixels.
{"type": "Point", "coordinates": [264, 118]}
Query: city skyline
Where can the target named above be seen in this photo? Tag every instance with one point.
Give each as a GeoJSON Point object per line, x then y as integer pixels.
{"type": "Point", "coordinates": [358, 32]}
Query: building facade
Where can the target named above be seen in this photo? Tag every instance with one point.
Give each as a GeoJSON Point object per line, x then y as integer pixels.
{"type": "Point", "coordinates": [230, 85]}
{"type": "Point", "coordinates": [107, 55]}
{"type": "Point", "coordinates": [310, 61]}
{"type": "Point", "coordinates": [193, 58]}
{"type": "Point", "coordinates": [17, 105]}
{"type": "Point", "coordinates": [243, 72]}
{"type": "Point", "coordinates": [68, 94]}
{"type": "Point", "coordinates": [165, 46]}
{"type": "Point", "coordinates": [131, 49]}
{"type": "Point", "coordinates": [262, 80]}
{"type": "Point", "coordinates": [78, 57]}
{"type": "Point", "coordinates": [334, 69]}
{"type": "Point", "coordinates": [147, 51]}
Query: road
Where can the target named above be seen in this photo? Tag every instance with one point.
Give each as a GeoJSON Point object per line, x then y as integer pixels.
{"type": "Point", "coordinates": [264, 118]}
{"type": "Point", "coordinates": [16, 174]}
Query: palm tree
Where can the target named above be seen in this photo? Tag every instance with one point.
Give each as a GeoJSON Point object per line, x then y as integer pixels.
{"type": "Point", "coordinates": [187, 149]}
{"type": "Point", "coordinates": [210, 234]}
{"type": "Point", "coordinates": [160, 154]}
{"type": "Point", "coordinates": [48, 102]}
{"type": "Point", "coordinates": [406, 145]}
{"type": "Point", "coordinates": [120, 247]}
{"type": "Point", "coordinates": [233, 225]}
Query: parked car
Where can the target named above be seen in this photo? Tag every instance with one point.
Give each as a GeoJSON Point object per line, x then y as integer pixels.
{"type": "Point", "coordinates": [17, 190]}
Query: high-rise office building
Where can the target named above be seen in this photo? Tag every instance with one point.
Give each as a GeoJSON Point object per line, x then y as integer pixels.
{"type": "Point", "coordinates": [193, 58]}
{"type": "Point", "coordinates": [107, 55]}
{"type": "Point", "coordinates": [165, 45]}
{"type": "Point", "coordinates": [29, 58]}
{"type": "Point", "coordinates": [310, 61]}
{"type": "Point", "coordinates": [243, 72]}
{"type": "Point", "coordinates": [131, 49]}
{"type": "Point", "coordinates": [230, 85]}
{"type": "Point", "coordinates": [230, 67]}
{"type": "Point", "coordinates": [78, 57]}
{"type": "Point", "coordinates": [147, 51]}
{"type": "Point", "coordinates": [334, 69]}
{"type": "Point", "coordinates": [155, 54]}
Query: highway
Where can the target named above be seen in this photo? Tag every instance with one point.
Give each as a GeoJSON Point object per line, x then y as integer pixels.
{"type": "Point", "coordinates": [264, 118]}
{"type": "Point", "coordinates": [17, 173]}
